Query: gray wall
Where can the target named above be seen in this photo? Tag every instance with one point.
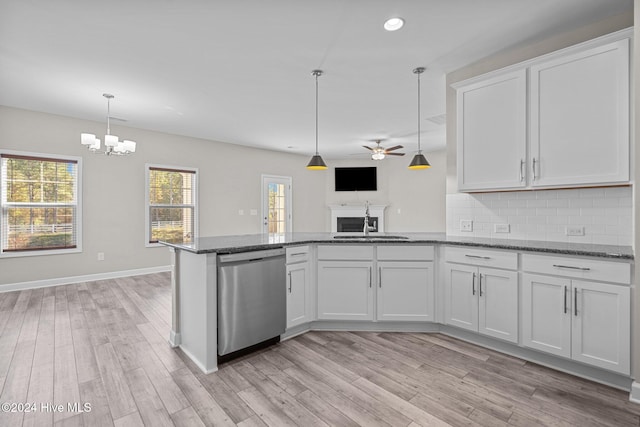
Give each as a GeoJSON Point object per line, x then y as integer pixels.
{"type": "Point", "coordinates": [229, 181]}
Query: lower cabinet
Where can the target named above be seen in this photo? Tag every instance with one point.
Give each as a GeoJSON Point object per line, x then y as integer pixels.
{"type": "Point", "coordinates": [345, 290]}
{"type": "Point", "coordinates": [585, 321]}
{"type": "Point", "coordinates": [483, 300]}
{"type": "Point", "coordinates": [384, 282]}
{"type": "Point", "coordinates": [405, 291]}
{"type": "Point", "coordinates": [298, 288]}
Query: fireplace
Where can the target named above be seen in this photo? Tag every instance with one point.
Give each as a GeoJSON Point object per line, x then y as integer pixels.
{"type": "Point", "coordinates": [350, 218]}
{"type": "Point", "coordinates": [348, 224]}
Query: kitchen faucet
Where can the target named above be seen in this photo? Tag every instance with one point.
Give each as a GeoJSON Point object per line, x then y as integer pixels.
{"type": "Point", "coordinates": [366, 219]}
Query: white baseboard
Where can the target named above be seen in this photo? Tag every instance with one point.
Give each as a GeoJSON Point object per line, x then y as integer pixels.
{"type": "Point", "coordinates": [635, 392]}
{"type": "Point", "coordinates": [198, 363]}
{"type": "Point", "coordinates": [79, 279]}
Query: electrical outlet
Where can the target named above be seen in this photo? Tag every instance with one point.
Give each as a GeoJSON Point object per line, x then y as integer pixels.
{"type": "Point", "coordinates": [574, 231]}
{"type": "Point", "coordinates": [100, 256]}
{"type": "Point", "coordinates": [466, 225]}
{"type": "Point", "coordinates": [253, 212]}
{"type": "Point", "coordinates": [240, 211]}
{"type": "Point", "coordinates": [501, 228]}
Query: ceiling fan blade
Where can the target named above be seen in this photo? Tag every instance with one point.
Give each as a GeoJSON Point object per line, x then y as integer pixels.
{"type": "Point", "coordinates": [395, 154]}
{"type": "Point", "coordinates": [368, 148]}
{"type": "Point", "coordinates": [394, 148]}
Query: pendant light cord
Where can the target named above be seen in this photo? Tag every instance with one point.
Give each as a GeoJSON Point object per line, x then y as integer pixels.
{"type": "Point", "coordinates": [108, 115]}
{"type": "Point", "coordinates": [316, 73]}
{"type": "Point", "coordinates": [419, 71]}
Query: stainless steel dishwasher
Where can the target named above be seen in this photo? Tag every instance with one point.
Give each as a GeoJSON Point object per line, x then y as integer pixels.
{"type": "Point", "coordinates": [251, 300]}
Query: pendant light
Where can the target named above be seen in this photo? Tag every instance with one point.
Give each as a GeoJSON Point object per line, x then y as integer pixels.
{"type": "Point", "coordinates": [316, 162]}
{"type": "Point", "coordinates": [112, 145]}
{"type": "Point", "coordinates": [419, 161]}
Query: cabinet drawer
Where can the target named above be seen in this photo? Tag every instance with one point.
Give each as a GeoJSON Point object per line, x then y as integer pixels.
{"type": "Point", "coordinates": [482, 257]}
{"type": "Point", "coordinates": [297, 254]}
{"type": "Point", "coordinates": [405, 253]}
{"type": "Point", "coordinates": [581, 268]}
{"type": "Point", "coordinates": [346, 252]}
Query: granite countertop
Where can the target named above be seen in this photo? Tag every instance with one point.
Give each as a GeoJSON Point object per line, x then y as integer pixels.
{"type": "Point", "coordinates": [254, 242]}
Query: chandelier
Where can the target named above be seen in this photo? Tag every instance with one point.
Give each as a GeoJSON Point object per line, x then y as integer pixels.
{"type": "Point", "coordinates": [112, 146]}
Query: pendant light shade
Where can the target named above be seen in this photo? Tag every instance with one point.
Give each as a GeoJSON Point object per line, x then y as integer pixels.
{"type": "Point", "coordinates": [419, 161]}
{"type": "Point", "coordinates": [316, 162]}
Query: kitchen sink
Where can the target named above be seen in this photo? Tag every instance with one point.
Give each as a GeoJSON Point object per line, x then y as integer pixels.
{"type": "Point", "coordinates": [371, 237]}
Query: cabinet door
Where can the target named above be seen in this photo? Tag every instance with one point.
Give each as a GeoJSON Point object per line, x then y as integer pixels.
{"type": "Point", "coordinates": [405, 291]}
{"type": "Point", "coordinates": [298, 282]}
{"type": "Point", "coordinates": [461, 304]}
{"type": "Point", "coordinates": [601, 331]}
{"type": "Point", "coordinates": [580, 118]}
{"type": "Point", "coordinates": [498, 304]}
{"type": "Point", "coordinates": [546, 314]}
{"type": "Point", "coordinates": [491, 133]}
{"type": "Point", "coordinates": [345, 290]}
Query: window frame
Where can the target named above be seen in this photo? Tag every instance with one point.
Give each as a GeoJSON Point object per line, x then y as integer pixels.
{"type": "Point", "coordinates": [147, 204]}
{"type": "Point", "coordinates": [78, 206]}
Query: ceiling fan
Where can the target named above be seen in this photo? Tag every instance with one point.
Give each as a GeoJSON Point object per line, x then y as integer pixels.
{"type": "Point", "coordinates": [379, 153]}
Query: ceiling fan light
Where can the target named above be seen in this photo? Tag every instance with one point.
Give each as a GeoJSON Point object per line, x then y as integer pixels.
{"type": "Point", "coordinates": [377, 155]}
{"type": "Point", "coordinates": [419, 162]}
{"type": "Point", "coordinates": [316, 163]}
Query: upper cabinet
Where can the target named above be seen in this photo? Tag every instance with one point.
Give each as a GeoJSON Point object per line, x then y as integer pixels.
{"type": "Point", "coordinates": [561, 120]}
{"type": "Point", "coordinates": [492, 132]}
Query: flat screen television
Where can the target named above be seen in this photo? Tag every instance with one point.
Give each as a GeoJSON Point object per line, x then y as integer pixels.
{"type": "Point", "coordinates": [356, 179]}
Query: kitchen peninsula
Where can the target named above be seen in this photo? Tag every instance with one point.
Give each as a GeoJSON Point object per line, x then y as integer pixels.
{"type": "Point", "coordinates": [487, 291]}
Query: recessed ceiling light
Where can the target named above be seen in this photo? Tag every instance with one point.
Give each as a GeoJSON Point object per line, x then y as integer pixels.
{"type": "Point", "coordinates": [393, 24]}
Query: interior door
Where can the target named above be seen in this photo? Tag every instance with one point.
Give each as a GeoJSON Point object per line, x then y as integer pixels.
{"type": "Point", "coordinates": [277, 217]}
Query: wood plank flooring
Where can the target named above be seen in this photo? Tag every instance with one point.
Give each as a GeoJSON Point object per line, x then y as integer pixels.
{"type": "Point", "coordinates": [105, 344]}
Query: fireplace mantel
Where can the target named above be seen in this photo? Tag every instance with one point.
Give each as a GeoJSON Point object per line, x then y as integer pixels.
{"type": "Point", "coordinates": [356, 211]}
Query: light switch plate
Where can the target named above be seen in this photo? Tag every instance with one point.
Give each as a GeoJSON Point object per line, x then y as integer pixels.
{"type": "Point", "coordinates": [574, 230]}
{"type": "Point", "coordinates": [466, 225]}
{"type": "Point", "coordinates": [501, 228]}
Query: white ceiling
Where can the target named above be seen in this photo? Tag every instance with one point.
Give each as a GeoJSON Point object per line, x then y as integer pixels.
{"type": "Point", "coordinates": [239, 71]}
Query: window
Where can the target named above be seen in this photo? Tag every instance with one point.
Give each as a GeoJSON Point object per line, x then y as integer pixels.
{"type": "Point", "coordinates": [40, 204]}
{"type": "Point", "coordinates": [171, 204]}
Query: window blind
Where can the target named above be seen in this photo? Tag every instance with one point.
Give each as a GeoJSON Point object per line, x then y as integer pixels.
{"type": "Point", "coordinates": [39, 203]}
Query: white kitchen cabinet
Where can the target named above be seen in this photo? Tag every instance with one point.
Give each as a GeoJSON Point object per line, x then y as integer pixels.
{"type": "Point", "coordinates": [405, 291]}
{"type": "Point", "coordinates": [483, 300]}
{"type": "Point", "coordinates": [546, 318]}
{"type": "Point", "coordinates": [480, 297]}
{"type": "Point", "coordinates": [492, 132]}
{"type": "Point", "coordinates": [580, 117]}
{"type": "Point", "coordinates": [345, 290]}
{"type": "Point", "coordinates": [299, 289]}
{"type": "Point", "coordinates": [578, 121]}
{"type": "Point", "coordinates": [586, 321]}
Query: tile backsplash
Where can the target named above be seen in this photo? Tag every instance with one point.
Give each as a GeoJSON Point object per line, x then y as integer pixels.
{"type": "Point", "coordinates": [605, 215]}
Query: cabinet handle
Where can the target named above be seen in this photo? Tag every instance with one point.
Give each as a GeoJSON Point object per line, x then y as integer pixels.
{"type": "Point", "coordinates": [380, 276]}
{"type": "Point", "coordinates": [533, 168]}
{"type": "Point", "coordinates": [575, 301]}
{"type": "Point", "coordinates": [565, 299]}
{"type": "Point", "coordinates": [370, 274]}
{"type": "Point", "coordinates": [290, 282]}
{"type": "Point", "coordinates": [521, 170]}
{"type": "Point", "coordinates": [473, 284]}
{"type": "Point", "coordinates": [572, 267]}
{"type": "Point", "coordinates": [480, 282]}
{"type": "Point", "coordinates": [477, 256]}
{"type": "Point", "coordinates": [298, 254]}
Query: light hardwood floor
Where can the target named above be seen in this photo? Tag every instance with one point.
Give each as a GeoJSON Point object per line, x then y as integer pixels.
{"type": "Point", "coordinates": [105, 343]}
